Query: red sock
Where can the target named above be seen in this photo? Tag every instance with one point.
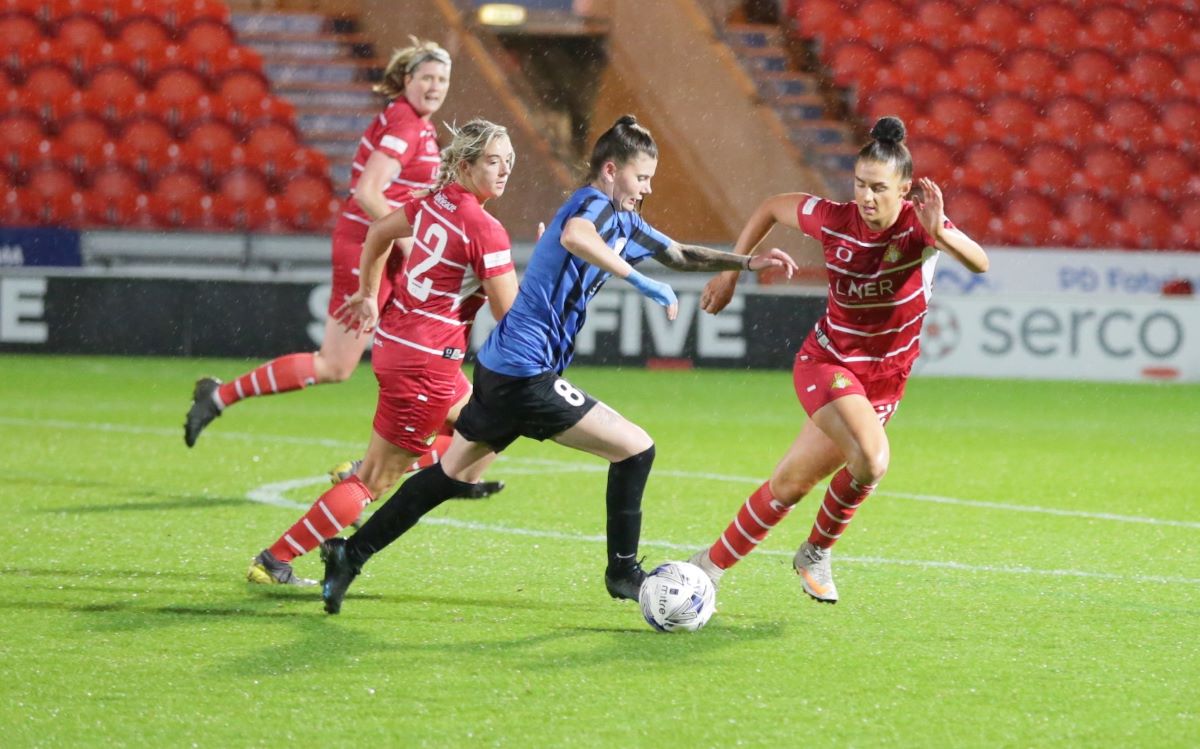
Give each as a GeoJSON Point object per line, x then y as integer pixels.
{"type": "Point", "coordinates": [842, 500]}
{"type": "Point", "coordinates": [336, 508]}
{"type": "Point", "coordinates": [436, 451]}
{"type": "Point", "coordinates": [754, 521]}
{"type": "Point", "coordinates": [291, 372]}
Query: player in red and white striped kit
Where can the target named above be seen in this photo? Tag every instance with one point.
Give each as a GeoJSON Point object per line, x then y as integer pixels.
{"type": "Point", "coordinates": [460, 257]}
{"type": "Point", "coordinates": [397, 155]}
{"type": "Point", "coordinates": [851, 370]}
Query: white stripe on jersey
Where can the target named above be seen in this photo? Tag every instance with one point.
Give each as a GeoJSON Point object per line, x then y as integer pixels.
{"type": "Point", "coordinates": [381, 332]}
{"type": "Point", "coordinates": [433, 159]}
{"type": "Point", "coordinates": [843, 358]}
{"type": "Point", "coordinates": [357, 167]}
{"type": "Point", "coordinates": [359, 219]}
{"type": "Point", "coordinates": [410, 183]}
{"type": "Point", "coordinates": [861, 243]}
{"type": "Point", "coordinates": [428, 206]}
{"type": "Point", "coordinates": [363, 140]}
{"type": "Point", "coordinates": [866, 334]}
{"type": "Point", "coordinates": [498, 258]}
{"type": "Point", "coordinates": [893, 303]}
{"type": "Point", "coordinates": [898, 268]}
{"type": "Point", "coordinates": [442, 260]}
{"type": "Point", "coordinates": [399, 145]}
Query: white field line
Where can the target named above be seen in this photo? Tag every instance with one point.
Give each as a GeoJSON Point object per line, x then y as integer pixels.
{"type": "Point", "coordinates": [272, 494]}
{"type": "Point", "coordinates": [551, 465]}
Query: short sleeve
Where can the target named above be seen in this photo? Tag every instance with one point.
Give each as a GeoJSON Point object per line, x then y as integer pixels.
{"type": "Point", "coordinates": [491, 251]}
{"type": "Point", "coordinates": [646, 241]}
{"type": "Point", "coordinates": [597, 209]}
{"type": "Point", "coordinates": [400, 140]}
{"type": "Point", "coordinates": [811, 214]}
{"type": "Point", "coordinates": [411, 208]}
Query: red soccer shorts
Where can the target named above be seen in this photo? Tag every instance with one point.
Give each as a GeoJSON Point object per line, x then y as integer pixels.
{"type": "Point", "coordinates": [348, 237]}
{"type": "Point", "coordinates": [819, 381]}
{"type": "Point", "coordinates": [413, 401]}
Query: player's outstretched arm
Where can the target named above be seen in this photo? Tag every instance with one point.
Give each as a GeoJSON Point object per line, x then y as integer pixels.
{"type": "Point", "coordinates": [777, 209]}
{"type": "Point", "coordinates": [931, 213]}
{"type": "Point", "coordinates": [580, 238]}
{"type": "Point", "coordinates": [691, 257]}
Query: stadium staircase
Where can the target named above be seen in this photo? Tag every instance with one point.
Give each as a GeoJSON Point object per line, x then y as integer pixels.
{"type": "Point", "coordinates": [1069, 124]}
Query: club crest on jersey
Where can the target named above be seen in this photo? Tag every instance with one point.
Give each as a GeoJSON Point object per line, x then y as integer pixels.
{"type": "Point", "coordinates": [431, 146]}
{"type": "Point", "coordinates": [840, 382]}
{"type": "Point", "coordinates": [893, 253]}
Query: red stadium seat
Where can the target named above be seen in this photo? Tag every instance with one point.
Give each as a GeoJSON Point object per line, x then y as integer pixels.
{"type": "Point", "coordinates": [174, 95]}
{"type": "Point", "coordinates": [1086, 218]}
{"type": "Point", "coordinates": [971, 211]}
{"type": "Point", "coordinates": [933, 159]}
{"type": "Point", "coordinates": [1049, 169]}
{"type": "Point", "coordinates": [308, 161]}
{"type": "Point", "coordinates": [988, 167]}
{"type": "Point", "coordinates": [1029, 220]}
{"type": "Point", "coordinates": [309, 202]}
{"type": "Point", "coordinates": [951, 117]}
{"type": "Point", "coordinates": [178, 14]}
{"type": "Point", "coordinates": [826, 20]}
{"type": "Point", "coordinates": [1031, 72]}
{"type": "Point", "coordinates": [146, 146]}
{"type": "Point", "coordinates": [1093, 74]}
{"type": "Point", "coordinates": [1168, 29]}
{"type": "Point", "coordinates": [18, 130]}
{"type": "Point", "coordinates": [1055, 27]}
{"type": "Point", "coordinates": [81, 31]}
{"type": "Point", "coordinates": [1130, 123]}
{"type": "Point", "coordinates": [270, 141]}
{"type": "Point", "coordinates": [243, 89]}
{"type": "Point", "coordinates": [114, 197]}
{"type": "Point", "coordinates": [998, 25]}
{"type": "Point", "coordinates": [242, 186]}
{"type": "Point", "coordinates": [211, 147]}
{"type": "Point", "coordinates": [113, 91]}
{"type": "Point", "coordinates": [855, 64]}
{"type": "Point", "coordinates": [1152, 76]}
{"type": "Point", "coordinates": [1166, 173]}
{"type": "Point", "coordinates": [84, 144]}
{"type": "Point", "coordinates": [1107, 170]}
{"type": "Point", "coordinates": [208, 37]}
{"type": "Point", "coordinates": [220, 63]}
{"type": "Point", "coordinates": [50, 81]}
{"type": "Point", "coordinates": [1187, 231]}
{"type": "Point", "coordinates": [1011, 120]}
{"type": "Point", "coordinates": [19, 36]}
{"type": "Point", "coordinates": [972, 71]}
{"type": "Point", "coordinates": [49, 180]}
{"type": "Point", "coordinates": [915, 68]}
{"type": "Point", "coordinates": [143, 34]}
{"type": "Point", "coordinates": [1189, 68]}
{"type": "Point", "coordinates": [890, 101]}
{"type": "Point", "coordinates": [879, 22]}
{"type": "Point", "coordinates": [1070, 120]}
{"type": "Point", "coordinates": [1113, 28]}
{"type": "Point", "coordinates": [179, 198]}
{"type": "Point", "coordinates": [1179, 119]}
{"type": "Point", "coordinates": [940, 23]}
{"type": "Point", "coordinates": [1149, 223]}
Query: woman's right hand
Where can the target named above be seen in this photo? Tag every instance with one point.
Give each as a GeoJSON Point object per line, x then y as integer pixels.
{"type": "Point", "coordinates": [358, 313]}
{"type": "Point", "coordinates": [718, 292]}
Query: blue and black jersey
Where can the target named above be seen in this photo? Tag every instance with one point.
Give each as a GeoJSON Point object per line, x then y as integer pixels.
{"type": "Point", "coordinates": [538, 333]}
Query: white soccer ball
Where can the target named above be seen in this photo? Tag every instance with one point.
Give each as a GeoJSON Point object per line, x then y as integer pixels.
{"type": "Point", "coordinates": [677, 597]}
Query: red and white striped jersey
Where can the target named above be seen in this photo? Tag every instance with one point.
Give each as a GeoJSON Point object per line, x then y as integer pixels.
{"type": "Point", "coordinates": [398, 132]}
{"type": "Point", "coordinates": [879, 284]}
{"type": "Point", "coordinates": [438, 289]}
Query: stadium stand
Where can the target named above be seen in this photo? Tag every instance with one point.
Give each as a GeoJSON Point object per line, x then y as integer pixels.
{"type": "Point", "coordinates": [1075, 122]}
{"type": "Point", "coordinates": [141, 113]}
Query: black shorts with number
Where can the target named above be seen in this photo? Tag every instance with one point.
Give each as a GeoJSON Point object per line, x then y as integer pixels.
{"type": "Point", "coordinates": [503, 408]}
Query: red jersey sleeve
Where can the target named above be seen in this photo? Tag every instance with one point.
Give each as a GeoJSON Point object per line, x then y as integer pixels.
{"type": "Point", "coordinates": [491, 252]}
{"type": "Point", "coordinates": [400, 139]}
{"type": "Point", "coordinates": [411, 209]}
{"type": "Point", "coordinates": [811, 214]}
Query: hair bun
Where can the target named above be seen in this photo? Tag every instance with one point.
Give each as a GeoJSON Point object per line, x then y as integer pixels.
{"type": "Point", "coordinates": [889, 130]}
{"type": "Point", "coordinates": [627, 120]}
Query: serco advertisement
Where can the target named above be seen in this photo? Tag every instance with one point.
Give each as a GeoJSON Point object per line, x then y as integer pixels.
{"type": "Point", "coordinates": [1110, 338]}
{"type": "Point", "coordinates": [1056, 272]}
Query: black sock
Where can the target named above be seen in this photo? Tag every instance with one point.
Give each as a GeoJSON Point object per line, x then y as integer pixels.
{"type": "Point", "coordinates": [626, 482]}
{"type": "Point", "coordinates": [418, 495]}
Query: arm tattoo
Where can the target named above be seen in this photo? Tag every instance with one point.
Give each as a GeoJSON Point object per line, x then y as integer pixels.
{"type": "Point", "coordinates": [692, 257]}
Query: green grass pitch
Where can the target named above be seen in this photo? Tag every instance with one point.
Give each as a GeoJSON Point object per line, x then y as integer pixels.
{"type": "Point", "coordinates": [1027, 575]}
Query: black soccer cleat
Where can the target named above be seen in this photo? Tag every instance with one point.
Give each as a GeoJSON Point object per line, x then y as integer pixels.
{"type": "Point", "coordinates": [339, 573]}
{"type": "Point", "coordinates": [625, 583]}
{"type": "Point", "coordinates": [483, 490]}
{"type": "Point", "coordinates": [203, 411]}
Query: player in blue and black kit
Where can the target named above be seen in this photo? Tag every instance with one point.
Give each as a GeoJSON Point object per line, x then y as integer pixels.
{"type": "Point", "coordinates": [519, 390]}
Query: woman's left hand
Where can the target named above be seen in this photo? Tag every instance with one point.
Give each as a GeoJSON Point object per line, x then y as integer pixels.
{"type": "Point", "coordinates": [773, 258]}
{"type": "Point", "coordinates": [930, 208]}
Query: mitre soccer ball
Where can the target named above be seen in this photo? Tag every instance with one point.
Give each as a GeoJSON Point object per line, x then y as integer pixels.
{"type": "Point", "coordinates": [677, 597]}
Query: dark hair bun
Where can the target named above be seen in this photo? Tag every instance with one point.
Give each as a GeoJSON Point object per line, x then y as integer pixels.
{"type": "Point", "coordinates": [627, 120]}
{"type": "Point", "coordinates": [889, 130]}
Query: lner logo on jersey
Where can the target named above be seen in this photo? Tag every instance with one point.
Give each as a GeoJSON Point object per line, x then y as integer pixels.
{"type": "Point", "coordinates": [840, 382]}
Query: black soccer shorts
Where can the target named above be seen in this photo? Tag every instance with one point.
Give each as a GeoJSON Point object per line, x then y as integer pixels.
{"type": "Point", "coordinates": [503, 408]}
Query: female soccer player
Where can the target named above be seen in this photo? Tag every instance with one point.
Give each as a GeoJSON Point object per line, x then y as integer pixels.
{"type": "Point", "coordinates": [398, 154]}
{"type": "Point", "coordinates": [519, 388]}
{"type": "Point", "coordinates": [851, 370]}
{"type": "Point", "coordinates": [459, 253]}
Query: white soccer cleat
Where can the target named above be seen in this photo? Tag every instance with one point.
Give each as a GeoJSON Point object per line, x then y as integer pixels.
{"type": "Point", "coordinates": [702, 560]}
{"type": "Point", "coordinates": [812, 565]}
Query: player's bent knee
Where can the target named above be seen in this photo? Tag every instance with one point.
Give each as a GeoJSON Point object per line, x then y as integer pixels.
{"type": "Point", "coordinates": [789, 490]}
{"type": "Point", "coordinates": [869, 467]}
